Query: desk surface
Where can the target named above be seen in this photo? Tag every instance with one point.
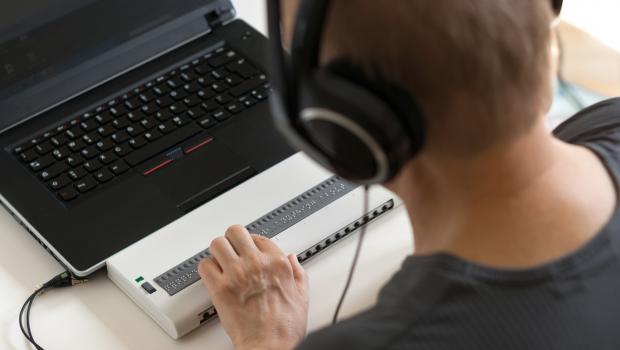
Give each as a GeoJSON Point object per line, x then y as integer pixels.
{"type": "Point", "coordinates": [98, 315]}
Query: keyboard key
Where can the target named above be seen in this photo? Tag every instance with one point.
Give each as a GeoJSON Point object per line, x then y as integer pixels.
{"type": "Point", "coordinates": [104, 175]}
{"type": "Point", "coordinates": [188, 76]}
{"type": "Point", "coordinates": [86, 184]}
{"type": "Point", "coordinates": [22, 148]}
{"type": "Point", "coordinates": [248, 101]}
{"type": "Point", "coordinates": [61, 153]}
{"type": "Point", "coordinates": [243, 68]}
{"type": "Point", "coordinates": [105, 145]}
{"type": "Point", "coordinates": [74, 160]}
{"type": "Point", "coordinates": [59, 140]}
{"type": "Point", "coordinates": [138, 142]}
{"type": "Point", "coordinates": [178, 108]}
{"type": "Point", "coordinates": [89, 152]}
{"type": "Point", "coordinates": [175, 82]}
{"type": "Point", "coordinates": [207, 122]}
{"type": "Point", "coordinates": [248, 85]}
{"type": "Point", "coordinates": [121, 123]}
{"type": "Point", "coordinates": [68, 193]}
{"type": "Point", "coordinates": [76, 146]}
{"type": "Point", "coordinates": [152, 135]}
{"type": "Point", "coordinates": [233, 80]}
{"type": "Point", "coordinates": [74, 132]}
{"type": "Point", "coordinates": [44, 147]}
{"type": "Point", "coordinates": [162, 144]}
{"type": "Point", "coordinates": [203, 69]}
{"type": "Point", "coordinates": [191, 87]}
{"type": "Point", "coordinates": [120, 137]}
{"type": "Point", "coordinates": [118, 110]}
{"type": "Point", "coordinates": [107, 157]}
{"type": "Point", "coordinates": [166, 128]}
{"type": "Point", "coordinates": [42, 163]}
{"type": "Point", "coordinates": [196, 113]}
{"type": "Point", "coordinates": [219, 74]}
{"type": "Point", "coordinates": [119, 167]}
{"type": "Point", "coordinates": [91, 138]}
{"type": "Point", "coordinates": [150, 108]}
{"type": "Point", "coordinates": [147, 96]}
{"type": "Point", "coordinates": [162, 89]}
{"type": "Point", "coordinates": [181, 120]}
{"type": "Point", "coordinates": [206, 81]}
{"type": "Point", "coordinates": [136, 116]}
{"type": "Point", "coordinates": [106, 130]}
{"type": "Point", "coordinates": [76, 174]}
{"type": "Point", "coordinates": [162, 116]}
{"type": "Point", "coordinates": [148, 123]}
{"type": "Point", "coordinates": [221, 115]}
{"type": "Point", "coordinates": [164, 101]}
{"type": "Point", "coordinates": [219, 86]}
{"type": "Point", "coordinates": [235, 107]}
{"type": "Point", "coordinates": [59, 182]}
{"type": "Point", "coordinates": [222, 59]}
{"type": "Point", "coordinates": [134, 130]}
{"type": "Point", "coordinates": [191, 101]}
{"type": "Point", "coordinates": [123, 150]}
{"type": "Point", "coordinates": [29, 156]}
{"type": "Point", "coordinates": [89, 125]}
{"type": "Point", "coordinates": [223, 99]}
{"type": "Point", "coordinates": [177, 95]}
{"type": "Point", "coordinates": [104, 118]}
{"type": "Point", "coordinates": [206, 94]}
{"type": "Point", "coordinates": [133, 103]}
{"type": "Point", "coordinates": [53, 171]}
{"type": "Point", "coordinates": [210, 105]}
{"type": "Point", "coordinates": [92, 165]}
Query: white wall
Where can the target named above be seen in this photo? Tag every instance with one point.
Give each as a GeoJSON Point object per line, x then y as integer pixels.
{"type": "Point", "coordinates": [600, 18]}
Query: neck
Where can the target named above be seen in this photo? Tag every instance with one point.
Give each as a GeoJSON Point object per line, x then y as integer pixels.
{"type": "Point", "coordinates": [492, 207]}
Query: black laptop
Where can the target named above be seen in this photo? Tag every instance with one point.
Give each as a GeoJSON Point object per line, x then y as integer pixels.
{"type": "Point", "coordinates": [119, 117]}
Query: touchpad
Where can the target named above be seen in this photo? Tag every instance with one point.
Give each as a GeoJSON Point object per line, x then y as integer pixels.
{"type": "Point", "coordinates": [201, 175]}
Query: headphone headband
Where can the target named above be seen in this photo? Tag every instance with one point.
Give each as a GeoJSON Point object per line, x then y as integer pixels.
{"type": "Point", "coordinates": [363, 129]}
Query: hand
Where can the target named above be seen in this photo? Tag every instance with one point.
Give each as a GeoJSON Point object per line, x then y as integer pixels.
{"type": "Point", "coordinates": [260, 294]}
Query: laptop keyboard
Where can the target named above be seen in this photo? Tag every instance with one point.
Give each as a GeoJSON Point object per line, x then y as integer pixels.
{"type": "Point", "coordinates": [90, 150]}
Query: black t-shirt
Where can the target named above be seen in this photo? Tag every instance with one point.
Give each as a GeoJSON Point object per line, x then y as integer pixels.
{"type": "Point", "coordinates": [443, 302]}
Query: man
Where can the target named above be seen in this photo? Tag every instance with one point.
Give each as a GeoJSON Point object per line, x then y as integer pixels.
{"type": "Point", "coordinates": [517, 235]}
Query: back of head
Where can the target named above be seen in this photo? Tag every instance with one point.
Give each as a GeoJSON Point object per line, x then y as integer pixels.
{"type": "Point", "coordinates": [480, 69]}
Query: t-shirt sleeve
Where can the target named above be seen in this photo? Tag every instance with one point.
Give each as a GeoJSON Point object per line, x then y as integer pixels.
{"type": "Point", "coordinates": [597, 126]}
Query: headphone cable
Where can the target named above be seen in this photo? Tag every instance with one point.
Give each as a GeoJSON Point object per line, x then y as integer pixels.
{"type": "Point", "coordinates": [358, 249]}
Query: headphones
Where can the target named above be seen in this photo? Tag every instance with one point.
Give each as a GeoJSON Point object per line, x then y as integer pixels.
{"type": "Point", "coordinates": [361, 128]}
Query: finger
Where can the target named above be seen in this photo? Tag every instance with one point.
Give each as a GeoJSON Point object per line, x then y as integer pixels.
{"type": "Point", "coordinates": [208, 268]}
{"type": "Point", "coordinates": [223, 252]}
{"type": "Point", "coordinates": [266, 245]}
{"type": "Point", "coordinates": [209, 272]}
{"type": "Point", "coordinates": [301, 277]}
{"type": "Point", "coordinates": [241, 240]}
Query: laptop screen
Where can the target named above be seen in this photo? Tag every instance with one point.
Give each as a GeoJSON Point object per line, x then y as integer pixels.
{"type": "Point", "coordinates": [53, 49]}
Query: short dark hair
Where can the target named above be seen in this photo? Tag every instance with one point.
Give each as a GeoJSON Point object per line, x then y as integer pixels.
{"type": "Point", "coordinates": [480, 69]}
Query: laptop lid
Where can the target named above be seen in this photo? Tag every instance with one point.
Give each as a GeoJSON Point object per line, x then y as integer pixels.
{"type": "Point", "coordinates": [53, 50]}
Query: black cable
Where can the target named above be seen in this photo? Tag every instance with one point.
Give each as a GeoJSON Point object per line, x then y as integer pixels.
{"type": "Point", "coordinates": [62, 280]}
{"type": "Point", "coordinates": [566, 88]}
{"type": "Point", "coordinates": [355, 257]}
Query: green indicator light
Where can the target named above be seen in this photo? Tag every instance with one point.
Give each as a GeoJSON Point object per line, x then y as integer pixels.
{"type": "Point", "coordinates": [139, 279]}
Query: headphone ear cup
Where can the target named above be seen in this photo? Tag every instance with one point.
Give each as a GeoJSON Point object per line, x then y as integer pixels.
{"type": "Point", "coordinates": [397, 98]}
{"type": "Point", "coordinates": [359, 131]}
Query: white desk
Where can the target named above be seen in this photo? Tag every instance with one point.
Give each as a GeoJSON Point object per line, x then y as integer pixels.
{"type": "Point", "coordinates": [97, 315]}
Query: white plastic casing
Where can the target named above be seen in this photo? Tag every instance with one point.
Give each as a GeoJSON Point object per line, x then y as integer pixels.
{"type": "Point", "coordinates": [180, 240]}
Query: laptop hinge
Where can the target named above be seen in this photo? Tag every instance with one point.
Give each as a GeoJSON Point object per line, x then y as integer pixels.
{"type": "Point", "coordinates": [220, 16]}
